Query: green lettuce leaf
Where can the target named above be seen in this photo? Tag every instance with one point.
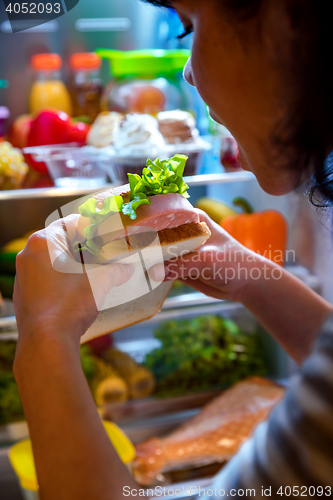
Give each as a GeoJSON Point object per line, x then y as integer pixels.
{"type": "Point", "coordinates": [130, 207]}
{"type": "Point", "coordinates": [158, 177]}
{"type": "Point", "coordinates": [113, 203]}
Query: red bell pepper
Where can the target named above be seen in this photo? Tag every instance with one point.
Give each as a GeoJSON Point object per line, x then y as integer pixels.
{"type": "Point", "coordinates": [78, 132]}
{"type": "Point", "coordinates": [49, 127]}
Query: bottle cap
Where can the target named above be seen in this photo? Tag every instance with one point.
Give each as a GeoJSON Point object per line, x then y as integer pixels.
{"type": "Point", "coordinates": [85, 60]}
{"type": "Point", "coordinates": [46, 62]}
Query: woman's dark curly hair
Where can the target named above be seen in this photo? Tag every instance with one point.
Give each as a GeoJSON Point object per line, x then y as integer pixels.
{"type": "Point", "coordinates": [305, 137]}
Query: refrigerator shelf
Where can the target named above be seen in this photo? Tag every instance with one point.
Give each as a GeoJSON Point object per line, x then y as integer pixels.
{"type": "Point", "coordinates": [173, 307]}
{"type": "Point", "coordinates": [140, 419]}
{"type": "Point", "coordinates": [176, 306]}
{"type": "Point", "coordinates": [54, 192]}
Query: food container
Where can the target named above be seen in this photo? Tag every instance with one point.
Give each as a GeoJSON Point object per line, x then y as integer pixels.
{"type": "Point", "coordinates": [144, 81]}
{"type": "Point", "coordinates": [22, 461]}
{"type": "Point", "coordinates": [133, 161]}
{"type": "Point", "coordinates": [73, 166]}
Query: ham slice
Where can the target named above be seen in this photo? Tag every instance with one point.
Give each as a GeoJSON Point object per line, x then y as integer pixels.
{"type": "Point", "coordinates": [213, 435]}
{"type": "Point", "coordinates": [166, 210]}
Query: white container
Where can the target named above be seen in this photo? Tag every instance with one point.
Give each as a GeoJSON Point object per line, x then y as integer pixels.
{"type": "Point", "coordinates": [133, 161]}
{"type": "Point", "coordinates": [73, 166]}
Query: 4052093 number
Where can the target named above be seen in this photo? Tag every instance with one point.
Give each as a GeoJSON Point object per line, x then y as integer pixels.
{"type": "Point", "coordinates": [33, 8]}
{"type": "Point", "coordinates": [305, 491]}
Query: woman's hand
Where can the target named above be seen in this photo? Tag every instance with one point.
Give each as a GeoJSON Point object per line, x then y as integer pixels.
{"type": "Point", "coordinates": [53, 293]}
{"type": "Point", "coordinates": [221, 268]}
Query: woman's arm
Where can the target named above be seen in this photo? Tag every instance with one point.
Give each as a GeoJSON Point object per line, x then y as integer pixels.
{"type": "Point", "coordinates": [73, 455]}
{"type": "Point", "coordinates": [290, 311]}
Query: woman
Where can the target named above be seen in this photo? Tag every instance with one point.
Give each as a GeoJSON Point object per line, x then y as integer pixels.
{"type": "Point", "coordinates": [261, 66]}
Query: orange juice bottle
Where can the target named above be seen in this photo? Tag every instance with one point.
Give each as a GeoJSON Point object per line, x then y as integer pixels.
{"type": "Point", "coordinates": [48, 91]}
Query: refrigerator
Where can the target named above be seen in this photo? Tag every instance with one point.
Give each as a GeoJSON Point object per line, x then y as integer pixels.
{"type": "Point", "coordinates": [129, 25]}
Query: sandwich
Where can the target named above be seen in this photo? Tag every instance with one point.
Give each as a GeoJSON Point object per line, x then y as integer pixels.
{"type": "Point", "coordinates": [145, 222]}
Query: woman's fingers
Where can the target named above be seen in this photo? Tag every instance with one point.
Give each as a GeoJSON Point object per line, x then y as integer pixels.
{"type": "Point", "coordinates": [206, 289]}
{"type": "Point", "coordinates": [205, 218]}
{"type": "Point", "coordinates": [102, 278]}
{"type": "Point", "coordinates": [157, 272]}
{"type": "Point", "coordinates": [192, 265]}
{"type": "Point", "coordinates": [213, 226]}
{"type": "Point", "coordinates": [105, 277]}
{"type": "Point", "coordinates": [70, 223]}
{"type": "Point", "coordinates": [60, 236]}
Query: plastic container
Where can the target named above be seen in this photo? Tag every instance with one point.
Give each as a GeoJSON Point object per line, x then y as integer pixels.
{"type": "Point", "coordinates": [86, 86]}
{"type": "Point", "coordinates": [144, 81]}
{"type": "Point", "coordinates": [22, 461]}
{"type": "Point", "coordinates": [133, 163]}
{"type": "Point", "coordinates": [72, 166]}
{"type": "Point", "coordinates": [48, 91]}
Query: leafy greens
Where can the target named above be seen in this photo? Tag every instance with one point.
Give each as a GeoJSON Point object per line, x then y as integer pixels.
{"type": "Point", "coordinates": [203, 353]}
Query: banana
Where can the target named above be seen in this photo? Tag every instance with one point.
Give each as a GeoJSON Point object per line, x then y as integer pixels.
{"type": "Point", "coordinates": [15, 246]}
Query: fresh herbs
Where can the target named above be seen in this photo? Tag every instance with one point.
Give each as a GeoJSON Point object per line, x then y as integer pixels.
{"type": "Point", "coordinates": [158, 177]}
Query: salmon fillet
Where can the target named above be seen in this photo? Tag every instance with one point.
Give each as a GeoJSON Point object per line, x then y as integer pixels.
{"type": "Point", "coordinates": [213, 435]}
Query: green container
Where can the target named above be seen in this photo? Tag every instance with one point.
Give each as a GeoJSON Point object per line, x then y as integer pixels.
{"type": "Point", "coordinates": [150, 63]}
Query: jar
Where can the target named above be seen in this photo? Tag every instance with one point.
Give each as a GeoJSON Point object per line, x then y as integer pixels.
{"type": "Point", "coordinates": [48, 90]}
{"type": "Point", "coordinates": [86, 85]}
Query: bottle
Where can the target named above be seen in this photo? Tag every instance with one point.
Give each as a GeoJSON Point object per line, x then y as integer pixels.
{"type": "Point", "coordinates": [48, 91]}
{"type": "Point", "coordinates": [86, 87]}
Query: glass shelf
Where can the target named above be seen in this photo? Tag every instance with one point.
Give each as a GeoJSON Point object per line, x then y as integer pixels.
{"type": "Point", "coordinates": [195, 180]}
{"type": "Point", "coordinates": [169, 308]}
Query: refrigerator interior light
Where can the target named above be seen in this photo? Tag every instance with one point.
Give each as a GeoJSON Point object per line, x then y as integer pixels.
{"type": "Point", "coordinates": [103, 24]}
